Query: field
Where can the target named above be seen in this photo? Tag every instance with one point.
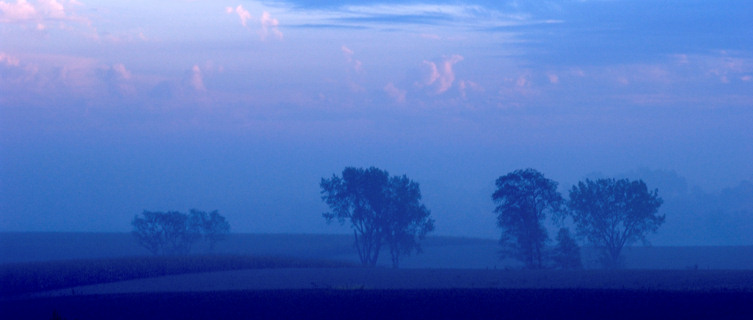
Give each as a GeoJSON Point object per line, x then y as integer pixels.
{"type": "Point", "coordinates": [439, 252]}
{"type": "Point", "coordinates": [96, 276]}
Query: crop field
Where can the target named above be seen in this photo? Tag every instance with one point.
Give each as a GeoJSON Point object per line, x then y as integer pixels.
{"type": "Point", "coordinates": [295, 276]}
{"type": "Point", "coordinates": [20, 278]}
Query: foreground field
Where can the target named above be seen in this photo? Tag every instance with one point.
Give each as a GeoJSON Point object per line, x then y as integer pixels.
{"type": "Point", "coordinates": [276, 288]}
{"type": "Point", "coordinates": [406, 279]}
{"type": "Point", "coordinates": [393, 304]}
{"type": "Point", "coordinates": [30, 277]}
{"type": "Point", "coordinates": [439, 252]}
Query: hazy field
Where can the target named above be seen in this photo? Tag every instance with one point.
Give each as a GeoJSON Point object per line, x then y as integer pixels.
{"type": "Point", "coordinates": [439, 252]}
{"type": "Point", "coordinates": [94, 276]}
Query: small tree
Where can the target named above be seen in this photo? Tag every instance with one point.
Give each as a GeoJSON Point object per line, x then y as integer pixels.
{"type": "Point", "coordinates": [523, 198]}
{"type": "Point", "coordinates": [179, 235]}
{"type": "Point", "coordinates": [566, 254]}
{"type": "Point", "coordinates": [174, 232]}
{"type": "Point", "coordinates": [213, 226]}
{"type": "Point", "coordinates": [611, 213]}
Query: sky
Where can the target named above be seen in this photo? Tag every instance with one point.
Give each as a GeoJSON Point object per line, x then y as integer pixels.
{"type": "Point", "coordinates": [109, 108]}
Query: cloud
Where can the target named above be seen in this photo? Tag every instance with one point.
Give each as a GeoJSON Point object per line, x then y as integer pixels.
{"type": "Point", "coordinates": [9, 60]}
{"type": "Point", "coordinates": [197, 80]}
{"type": "Point", "coordinates": [395, 92]}
{"type": "Point", "coordinates": [354, 63]}
{"type": "Point", "coordinates": [120, 79]}
{"type": "Point", "coordinates": [269, 26]}
{"type": "Point", "coordinates": [19, 11]}
{"type": "Point", "coordinates": [243, 14]}
{"type": "Point", "coordinates": [37, 15]}
{"type": "Point", "coordinates": [121, 71]}
{"type": "Point", "coordinates": [465, 85]}
{"type": "Point", "coordinates": [553, 78]}
{"type": "Point", "coordinates": [440, 77]}
{"type": "Point", "coordinates": [52, 8]}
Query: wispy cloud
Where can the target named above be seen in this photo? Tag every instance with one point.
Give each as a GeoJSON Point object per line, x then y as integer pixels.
{"type": "Point", "coordinates": [355, 64]}
{"type": "Point", "coordinates": [18, 11]}
{"type": "Point", "coordinates": [395, 93]}
{"type": "Point", "coordinates": [38, 14]}
{"type": "Point", "coordinates": [268, 26]}
{"type": "Point", "coordinates": [197, 79]}
{"type": "Point", "coordinates": [439, 77]}
{"type": "Point", "coordinates": [243, 14]}
{"type": "Point", "coordinates": [9, 60]}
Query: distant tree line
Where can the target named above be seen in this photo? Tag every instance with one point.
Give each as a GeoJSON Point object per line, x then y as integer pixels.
{"type": "Point", "coordinates": [174, 232]}
{"type": "Point", "coordinates": [607, 213]}
{"type": "Point", "coordinates": [387, 212]}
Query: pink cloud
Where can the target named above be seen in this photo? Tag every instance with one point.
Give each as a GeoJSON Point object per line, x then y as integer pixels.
{"type": "Point", "coordinates": [243, 14]}
{"type": "Point", "coordinates": [553, 78]}
{"type": "Point", "coordinates": [466, 85]}
{"type": "Point", "coordinates": [354, 63]}
{"type": "Point", "coordinates": [441, 76]}
{"type": "Point", "coordinates": [269, 26]}
{"type": "Point", "coordinates": [9, 60]}
{"type": "Point", "coordinates": [395, 93]}
{"type": "Point", "coordinates": [197, 79]}
{"type": "Point", "coordinates": [121, 71]}
{"type": "Point", "coordinates": [19, 11]}
{"type": "Point", "coordinates": [37, 14]}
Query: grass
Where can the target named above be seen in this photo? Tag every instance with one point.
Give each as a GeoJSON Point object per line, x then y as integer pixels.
{"type": "Point", "coordinates": [20, 278]}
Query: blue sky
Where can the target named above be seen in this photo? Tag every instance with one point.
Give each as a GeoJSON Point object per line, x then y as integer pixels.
{"type": "Point", "coordinates": [108, 108]}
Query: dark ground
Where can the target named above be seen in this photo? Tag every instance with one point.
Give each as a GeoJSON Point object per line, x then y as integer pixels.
{"type": "Point", "coordinates": [393, 304]}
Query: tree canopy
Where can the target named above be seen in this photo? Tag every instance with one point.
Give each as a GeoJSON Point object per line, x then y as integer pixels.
{"type": "Point", "coordinates": [381, 210]}
{"type": "Point", "coordinates": [174, 232]}
{"type": "Point", "coordinates": [523, 199]}
{"type": "Point", "coordinates": [611, 213]}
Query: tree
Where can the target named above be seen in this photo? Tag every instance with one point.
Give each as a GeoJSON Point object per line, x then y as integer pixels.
{"type": "Point", "coordinates": [381, 210]}
{"type": "Point", "coordinates": [611, 213]}
{"type": "Point", "coordinates": [174, 232]}
{"type": "Point", "coordinates": [523, 199]}
{"type": "Point", "coordinates": [148, 231]}
{"type": "Point", "coordinates": [566, 254]}
{"type": "Point", "coordinates": [164, 232]}
{"type": "Point", "coordinates": [408, 218]}
{"type": "Point", "coordinates": [213, 226]}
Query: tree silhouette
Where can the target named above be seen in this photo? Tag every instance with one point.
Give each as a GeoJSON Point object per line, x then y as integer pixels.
{"type": "Point", "coordinates": [612, 213]}
{"type": "Point", "coordinates": [408, 218]}
{"type": "Point", "coordinates": [566, 254]}
{"type": "Point", "coordinates": [174, 232]}
{"type": "Point", "coordinates": [523, 198]}
{"type": "Point", "coordinates": [212, 226]}
{"type": "Point", "coordinates": [381, 210]}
